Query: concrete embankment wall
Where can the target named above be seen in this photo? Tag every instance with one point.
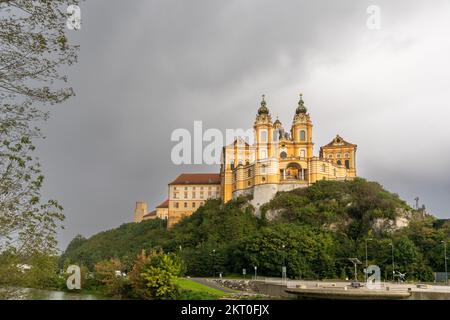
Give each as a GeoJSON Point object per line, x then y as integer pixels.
{"type": "Point", "coordinates": [272, 289]}
{"type": "Point", "coordinates": [278, 290]}
{"type": "Point", "coordinates": [424, 295]}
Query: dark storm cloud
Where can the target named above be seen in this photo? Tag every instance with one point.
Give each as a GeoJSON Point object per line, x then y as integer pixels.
{"type": "Point", "coordinates": [149, 67]}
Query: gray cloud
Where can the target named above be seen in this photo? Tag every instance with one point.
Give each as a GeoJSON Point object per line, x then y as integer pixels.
{"type": "Point", "coordinates": [148, 67]}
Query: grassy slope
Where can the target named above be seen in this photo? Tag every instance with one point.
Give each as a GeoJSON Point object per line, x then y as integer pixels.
{"type": "Point", "coordinates": [197, 290]}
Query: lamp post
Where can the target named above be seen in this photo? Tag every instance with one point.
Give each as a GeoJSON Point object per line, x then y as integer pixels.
{"type": "Point", "coordinates": [255, 271]}
{"type": "Point", "coordinates": [445, 261]}
{"type": "Point", "coordinates": [283, 268]}
{"type": "Point", "coordinates": [365, 272]}
{"type": "Point", "coordinates": [393, 263]}
{"type": "Point", "coordinates": [214, 263]}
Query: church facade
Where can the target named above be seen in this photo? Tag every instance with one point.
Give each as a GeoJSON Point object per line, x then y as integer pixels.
{"type": "Point", "coordinates": [281, 160]}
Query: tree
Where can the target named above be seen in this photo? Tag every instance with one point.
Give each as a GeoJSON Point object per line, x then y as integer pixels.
{"type": "Point", "coordinates": [307, 253]}
{"type": "Point", "coordinates": [159, 273]}
{"type": "Point", "coordinates": [33, 49]}
{"type": "Point", "coordinates": [109, 274]}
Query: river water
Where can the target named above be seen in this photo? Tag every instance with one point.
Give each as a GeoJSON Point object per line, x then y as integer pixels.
{"type": "Point", "coordinates": [38, 294]}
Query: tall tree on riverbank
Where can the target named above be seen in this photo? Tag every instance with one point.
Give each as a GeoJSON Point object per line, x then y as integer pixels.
{"type": "Point", "coordinates": [33, 49]}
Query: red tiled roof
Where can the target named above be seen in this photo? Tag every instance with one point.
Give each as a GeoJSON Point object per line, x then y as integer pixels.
{"type": "Point", "coordinates": [153, 213]}
{"type": "Point", "coordinates": [197, 178]}
{"type": "Point", "coordinates": [165, 204]}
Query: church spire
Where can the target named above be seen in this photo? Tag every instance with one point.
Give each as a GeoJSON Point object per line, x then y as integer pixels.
{"type": "Point", "coordinates": [301, 106]}
{"type": "Point", "coordinates": [263, 109]}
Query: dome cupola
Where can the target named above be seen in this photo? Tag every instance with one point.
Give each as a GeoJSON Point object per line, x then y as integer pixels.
{"type": "Point", "coordinates": [263, 109]}
{"type": "Point", "coordinates": [301, 109]}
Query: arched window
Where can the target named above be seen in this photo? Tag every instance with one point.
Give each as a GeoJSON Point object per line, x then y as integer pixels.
{"type": "Point", "coordinates": [347, 164]}
{"type": "Point", "coordinates": [283, 155]}
{"type": "Point", "coordinates": [302, 135]}
{"type": "Point", "coordinates": [339, 163]}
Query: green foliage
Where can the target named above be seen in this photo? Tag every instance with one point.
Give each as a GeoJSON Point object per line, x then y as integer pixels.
{"type": "Point", "coordinates": [114, 284]}
{"type": "Point", "coordinates": [160, 273]}
{"type": "Point", "coordinates": [307, 253]}
{"type": "Point", "coordinates": [124, 242]}
{"type": "Point", "coordinates": [351, 206]}
{"type": "Point", "coordinates": [320, 227]}
{"type": "Point", "coordinates": [34, 53]}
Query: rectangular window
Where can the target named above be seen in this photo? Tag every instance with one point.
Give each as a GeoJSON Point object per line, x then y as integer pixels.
{"type": "Point", "coordinates": [263, 153]}
{"type": "Point", "coordinates": [193, 195]}
{"type": "Point", "coordinates": [193, 204]}
{"type": "Point", "coordinates": [185, 205]}
{"type": "Point", "coordinates": [176, 205]}
{"type": "Point", "coordinates": [263, 136]}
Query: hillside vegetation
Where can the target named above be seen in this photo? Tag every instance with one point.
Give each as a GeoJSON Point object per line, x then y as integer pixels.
{"type": "Point", "coordinates": [313, 231]}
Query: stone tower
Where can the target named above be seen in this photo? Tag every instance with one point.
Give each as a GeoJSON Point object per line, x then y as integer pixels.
{"type": "Point", "coordinates": [140, 211]}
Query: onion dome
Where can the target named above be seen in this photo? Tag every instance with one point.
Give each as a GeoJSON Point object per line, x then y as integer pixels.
{"type": "Point", "coordinates": [263, 109]}
{"type": "Point", "coordinates": [301, 106]}
{"type": "Point", "coordinates": [277, 122]}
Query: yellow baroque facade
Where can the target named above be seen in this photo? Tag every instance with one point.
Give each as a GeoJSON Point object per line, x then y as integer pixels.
{"type": "Point", "coordinates": [280, 160]}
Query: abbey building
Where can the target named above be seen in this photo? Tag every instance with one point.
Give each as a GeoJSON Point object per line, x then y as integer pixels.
{"type": "Point", "coordinates": [277, 160]}
{"type": "Point", "coordinates": [281, 160]}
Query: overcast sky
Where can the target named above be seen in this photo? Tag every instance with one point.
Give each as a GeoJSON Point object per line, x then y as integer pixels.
{"type": "Point", "coordinates": [148, 67]}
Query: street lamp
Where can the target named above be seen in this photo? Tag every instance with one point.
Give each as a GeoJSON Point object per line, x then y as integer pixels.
{"type": "Point", "coordinates": [365, 272]}
{"type": "Point", "coordinates": [255, 271]}
{"type": "Point", "coordinates": [393, 263]}
{"type": "Point", "coordinates": [445, 261]}
{"type": "Point", "coordinates": [214, 262]}
{"type": "Point", "coordinates": [283, 268]}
